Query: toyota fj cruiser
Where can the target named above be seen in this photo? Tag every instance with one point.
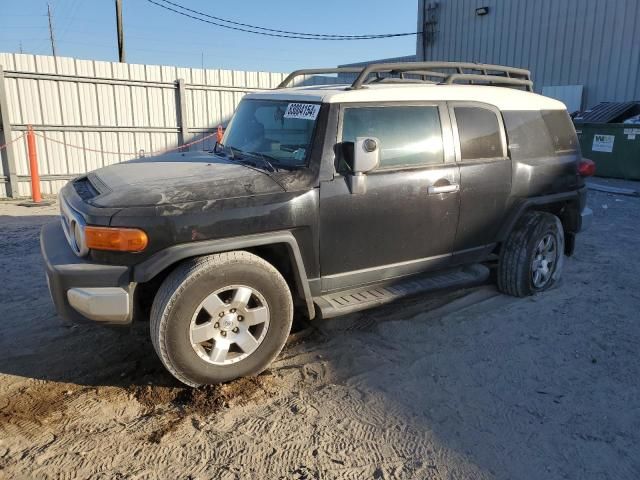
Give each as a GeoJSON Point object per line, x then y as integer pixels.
{"type": "Point", "coordinates": [323, 200]}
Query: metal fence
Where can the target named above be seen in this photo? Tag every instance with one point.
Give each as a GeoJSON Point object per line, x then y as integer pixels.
{"type": "Point", "coordinates": [87, 114]}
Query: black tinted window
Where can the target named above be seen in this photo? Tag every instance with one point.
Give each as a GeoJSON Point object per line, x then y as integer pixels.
{"type": "Point", "coordinates": [408, 135]}
{"type": "Point", "coordinates": [561, 130]}
{"type": "Point", "coordinates": [527, 134]}
{"type": "Point", "coordinates": [535, 134]}
{"type": "Point", "coordinates": [479, 133]}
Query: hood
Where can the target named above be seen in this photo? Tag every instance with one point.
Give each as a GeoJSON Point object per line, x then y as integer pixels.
{"type": "Point", "coordinates": [177, 178]}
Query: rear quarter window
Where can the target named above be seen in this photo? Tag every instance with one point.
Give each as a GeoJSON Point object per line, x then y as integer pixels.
{"type": "Point", "coordinates": [535, 133]}
{"type": "Point", "coordinates": [527, 134]}
{"type": "Point", "coordinates": [561, 130]}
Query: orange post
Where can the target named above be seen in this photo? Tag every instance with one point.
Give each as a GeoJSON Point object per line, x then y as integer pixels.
{"type": "Point", "coordinates": [219, 134]}
{"type": "Point", "coordinates": [33, 166]}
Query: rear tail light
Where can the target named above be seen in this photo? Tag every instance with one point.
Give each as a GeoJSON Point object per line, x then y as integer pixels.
{"type": "Point", "coordinates": [116, 239]}
{"type": "Point", "coordinates": [586, 168]}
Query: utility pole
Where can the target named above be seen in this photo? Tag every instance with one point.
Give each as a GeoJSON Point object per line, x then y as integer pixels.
{"type": "Point", "coordinates": [121, 54]}
{"type": "Point", "coordinates": [21, 51]}
{"type": "Point", "coordinates": [53, 40]}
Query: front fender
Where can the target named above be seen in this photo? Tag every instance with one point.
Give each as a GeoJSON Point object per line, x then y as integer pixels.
{"type": "Point", "coordinates": [155, 264]}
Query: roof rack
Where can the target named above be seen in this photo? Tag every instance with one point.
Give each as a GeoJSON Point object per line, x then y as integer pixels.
{"type": "Point", "coordinates": [443, 73]}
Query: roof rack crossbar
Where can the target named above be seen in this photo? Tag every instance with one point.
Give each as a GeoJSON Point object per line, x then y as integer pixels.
{"type": "Point", "coordinates": [496, 74]}
{"type": "Point", "coordinates": [316, 71]}
{"type": "Point", "coordinates": [492, 79]}
{"type": "Point", "coordinates": [458, 66]}
{"type": "Point", "coordinates": [400, 80]}
{"type": "Point", "coordinates": [427, 73]}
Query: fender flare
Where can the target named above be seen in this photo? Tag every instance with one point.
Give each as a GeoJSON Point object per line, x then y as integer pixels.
{"type": "Point", "coordinates": [149, 268]}
{"type": "Point", "coordinates": [530, 203]}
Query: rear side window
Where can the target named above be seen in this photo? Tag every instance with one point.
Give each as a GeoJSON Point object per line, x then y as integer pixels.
{"type": "Point", "coordinates": [479, 133]}
{"type": "Point", "coordinates": [561, 130]}
{"type": "Point", "coordinates": [528, 134]}
{"type": "Point", "coordinates": [409, 136]}
{"type": "Point", "coordinates": [536, 134]}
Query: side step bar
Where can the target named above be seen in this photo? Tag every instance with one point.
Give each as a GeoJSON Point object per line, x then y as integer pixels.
{"type": "Point", "coordinates": [361, 298]}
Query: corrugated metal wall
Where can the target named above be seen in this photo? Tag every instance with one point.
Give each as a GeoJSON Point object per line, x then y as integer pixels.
{"type": "Point", "coordinates": [595, 43]}
{"type": "Point", "coordinates": [88, 114]}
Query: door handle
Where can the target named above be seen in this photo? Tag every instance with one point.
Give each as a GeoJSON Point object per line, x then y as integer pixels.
{"type": "Point", "coordinates": [452, 187]}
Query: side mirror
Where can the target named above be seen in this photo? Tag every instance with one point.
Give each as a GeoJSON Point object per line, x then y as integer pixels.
{"type": "Point", "coordinates": [366, 157]}
{"type": "Point", "coordinates": [366, 154]}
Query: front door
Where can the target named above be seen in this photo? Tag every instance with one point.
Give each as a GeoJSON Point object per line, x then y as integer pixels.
{"type": "Point", "coordinates": [406, 221]}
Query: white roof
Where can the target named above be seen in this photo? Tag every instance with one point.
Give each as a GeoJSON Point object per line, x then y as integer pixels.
{"type": "Point", "coordinates": [501, 97]}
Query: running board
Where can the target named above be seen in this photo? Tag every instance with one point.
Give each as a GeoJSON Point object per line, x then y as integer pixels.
{"type": "Point", "coordinates": [360, 298]}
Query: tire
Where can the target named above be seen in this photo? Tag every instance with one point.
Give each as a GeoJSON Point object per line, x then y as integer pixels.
{"type": "Point", "coordinates": [205, 296]}
{"type": "Point", "coordinates": [522, 270]}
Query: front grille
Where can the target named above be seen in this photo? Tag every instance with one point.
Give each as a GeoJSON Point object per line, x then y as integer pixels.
{"type": "Point", "coordinates": [85, 189]}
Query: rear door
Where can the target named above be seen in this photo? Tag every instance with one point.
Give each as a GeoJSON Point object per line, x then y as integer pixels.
{"type": "Point", "coordinates": [485, 177]}
{"type": "Point", "coordinates": [405, 222]}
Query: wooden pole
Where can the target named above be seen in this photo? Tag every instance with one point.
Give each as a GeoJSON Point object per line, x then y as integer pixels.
{"type": "Point", "coordinates": [121, 52]}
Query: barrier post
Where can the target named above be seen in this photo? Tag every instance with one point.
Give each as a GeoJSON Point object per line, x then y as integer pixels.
{"type": "Point", "coordinates": [181, 110]}
{"type": "Point", "coordinates": [7, 156]}
{"type": "Point", "coordinates": [33, 166]}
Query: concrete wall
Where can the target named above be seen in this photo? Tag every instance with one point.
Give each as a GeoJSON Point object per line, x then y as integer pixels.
{"type": "Point", "coordinates": [595, 43]}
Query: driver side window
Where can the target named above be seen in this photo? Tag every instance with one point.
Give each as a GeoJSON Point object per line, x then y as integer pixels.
{"type": "Point", "coordinates": [409, 135]}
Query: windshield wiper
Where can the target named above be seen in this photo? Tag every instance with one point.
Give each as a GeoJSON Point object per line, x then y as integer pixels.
{"type": "Point", "coordinates": [268, 170]}
{"type": "Point", "coordinates": [265, 158]}
{"type": "Point", "coordinates": [260, 156]}
{"type": "Point", "coordinates": [272, 163]}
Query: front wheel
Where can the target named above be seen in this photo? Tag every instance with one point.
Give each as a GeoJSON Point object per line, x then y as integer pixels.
{"type": "Point", "coordinates": [220, 317]}
{"type": "Point", "coordinates": [531, 259]}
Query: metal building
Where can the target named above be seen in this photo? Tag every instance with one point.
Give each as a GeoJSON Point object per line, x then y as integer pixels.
{"type": "Point", "coordinates": [581, 51]}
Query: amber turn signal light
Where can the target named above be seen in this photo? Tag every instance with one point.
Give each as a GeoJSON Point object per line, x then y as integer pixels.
{"type": "Point", "coordinates": [116, 239]}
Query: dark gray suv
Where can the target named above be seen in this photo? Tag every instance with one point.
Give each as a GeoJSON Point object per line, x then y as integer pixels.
{"type": "Point", "coordinates": [322, 201]}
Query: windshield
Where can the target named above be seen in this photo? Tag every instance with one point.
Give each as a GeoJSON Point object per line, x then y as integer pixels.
{"type": "Point", "coordinates": [278, 130]}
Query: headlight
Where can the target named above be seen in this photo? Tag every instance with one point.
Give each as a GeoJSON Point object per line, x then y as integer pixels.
{"type": "Point", "coordinates": [73, 226]}
{"type": "Point", "coordinates": [77, 235]}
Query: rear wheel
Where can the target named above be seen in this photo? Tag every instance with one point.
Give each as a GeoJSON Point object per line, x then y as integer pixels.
{"type": "Point", "coordinates": [221, 317]}
{"type": "Point", "coordinates": [531, 259]}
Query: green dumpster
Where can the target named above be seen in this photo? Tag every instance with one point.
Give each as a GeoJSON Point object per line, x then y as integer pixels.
{"type": "Point", "coordinates": [614, 147]}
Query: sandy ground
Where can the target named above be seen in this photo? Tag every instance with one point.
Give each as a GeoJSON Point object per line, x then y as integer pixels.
{"type": "Point", "coordinates": [468, 384]}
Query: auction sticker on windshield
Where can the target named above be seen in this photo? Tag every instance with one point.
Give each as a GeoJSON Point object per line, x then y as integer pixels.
{"type": "Point", "coordinates": [302, 111]}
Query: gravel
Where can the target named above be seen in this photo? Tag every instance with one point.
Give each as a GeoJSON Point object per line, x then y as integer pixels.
{"type": "Point", "coordinates": [465, 384]}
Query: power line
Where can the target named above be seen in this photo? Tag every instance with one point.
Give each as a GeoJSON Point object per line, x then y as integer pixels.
{"type": "Point", "coordinates": [72, 15]}
{"type": "Point", "coordinates": [28, 27]}
{"type": "Point", "coordinates": [357, 37]}
{"type": "Point", "coordinates": [266, 31]}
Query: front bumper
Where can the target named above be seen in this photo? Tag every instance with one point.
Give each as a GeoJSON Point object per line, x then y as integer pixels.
{"type": "Point", "coordinates": [84, 291]}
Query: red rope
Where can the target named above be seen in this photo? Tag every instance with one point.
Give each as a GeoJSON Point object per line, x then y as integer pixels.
{"type": "Point", "coordinates": [2, 147]}
{"type": "Point", "coordinates": [159, 152]}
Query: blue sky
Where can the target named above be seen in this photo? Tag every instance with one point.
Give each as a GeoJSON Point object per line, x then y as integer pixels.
{"type": "Point", "coordinates": [86, 29]}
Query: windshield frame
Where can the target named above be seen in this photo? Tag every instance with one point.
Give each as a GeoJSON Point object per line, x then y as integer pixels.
{"type": "Point", "coordinates": [279, 164]}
